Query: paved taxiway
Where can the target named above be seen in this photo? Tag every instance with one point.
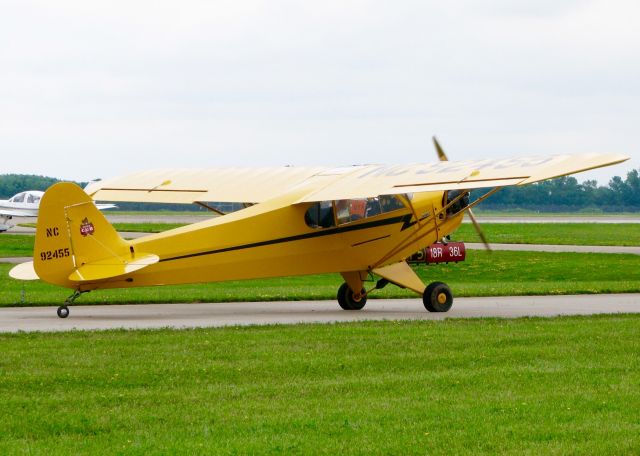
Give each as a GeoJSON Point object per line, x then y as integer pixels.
{"type": "Point", "coordinates": [265, 313]}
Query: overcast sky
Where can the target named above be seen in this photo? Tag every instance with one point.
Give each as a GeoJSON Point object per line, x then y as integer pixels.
{"type": "Point", "coordinates": [98, 89]}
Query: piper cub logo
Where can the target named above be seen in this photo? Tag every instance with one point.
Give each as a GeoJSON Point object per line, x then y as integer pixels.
{"type": "Point", "coordinates": [86, 227]}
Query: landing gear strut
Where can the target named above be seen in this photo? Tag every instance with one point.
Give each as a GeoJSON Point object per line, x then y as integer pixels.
{"type": "Point", "coordinates": [349, 300]}
{"type": "Point", "coordinates": [437, 297]}
{"type": "Point", "coordinates": [63, 310]}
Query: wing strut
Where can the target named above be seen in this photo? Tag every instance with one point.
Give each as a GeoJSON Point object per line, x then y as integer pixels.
{"type": "Point", "coordinates": [210, 208]}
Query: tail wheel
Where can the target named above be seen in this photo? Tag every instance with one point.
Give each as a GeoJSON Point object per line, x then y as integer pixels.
{"type": "Point", "coordinates": [63, 311]}
{"type": "Point", "coordinates": [349, 301]}
{"type": "Point", "coordinates": [438, 297]}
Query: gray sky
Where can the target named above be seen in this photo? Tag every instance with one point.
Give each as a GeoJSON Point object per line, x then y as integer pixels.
{"type": "Point", "coordinates": [98, 89]}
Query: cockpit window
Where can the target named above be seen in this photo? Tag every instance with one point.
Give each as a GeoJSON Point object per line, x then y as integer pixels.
{"type": "Point", "coordinates": [19, 198]}
{"type": "Point", "coordinates": [351, 210]}
{"type": "Point", "coordinates": [320, 215]}
{"type": "Point", "coordinates": [390, 203]}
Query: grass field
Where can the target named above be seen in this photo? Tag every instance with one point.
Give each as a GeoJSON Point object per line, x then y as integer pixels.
{"type": "Point", "coordinates": [483, 274]}
{"type": "Point", "coordinates": [16, 245]}
{"type": "Point", "coordinates": [481, 386]}
{"type": "Point", "coordinates": [554, 233]}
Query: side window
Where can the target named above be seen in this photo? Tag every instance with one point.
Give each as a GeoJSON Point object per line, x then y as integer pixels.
{"type": "Point", "coordinates": [342, 212]}
{"type": "Point", "coordinates": [352, 210]}
{"type": "Point", "coordinates": [19, 198]}
{"type": "Point", "coordinates": [320, 215]}
{"type": "Point", "coordinates": [357, 209]}
{"type": "Point", "coordinates": [390, 203]}
{"type": "Point", "coordinates": [30, 198]}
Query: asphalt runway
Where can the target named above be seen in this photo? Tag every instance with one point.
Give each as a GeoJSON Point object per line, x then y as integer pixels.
{"type": "Point", "coordinates": [177, 316]}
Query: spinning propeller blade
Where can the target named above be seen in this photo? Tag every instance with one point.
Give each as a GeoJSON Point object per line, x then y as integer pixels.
{"type": "Point", "coordinates": [443, 157]}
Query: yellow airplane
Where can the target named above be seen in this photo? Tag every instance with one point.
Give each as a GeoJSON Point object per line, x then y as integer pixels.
{"type": "Point", "coordinates": [359, 221]}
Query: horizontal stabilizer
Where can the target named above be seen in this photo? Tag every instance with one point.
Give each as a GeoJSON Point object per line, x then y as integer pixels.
{"type": "Point", "coordinates": [24, 271]}
{"type": "Point", "coordinates": [112, 267]}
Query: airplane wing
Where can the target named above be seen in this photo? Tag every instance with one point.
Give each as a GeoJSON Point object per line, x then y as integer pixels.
{"type": "Point", "coordinates": [254, 185]}
{"type": "Point", "coordinates": [375, 180]}
{"type": "Point", "coordinates": [242, 185]}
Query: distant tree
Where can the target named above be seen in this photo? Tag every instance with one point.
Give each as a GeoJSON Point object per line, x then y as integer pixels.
{"type": "Point", "coordinates": [10, 184]}
{"type": "Point", "coordinates": [566, 194]}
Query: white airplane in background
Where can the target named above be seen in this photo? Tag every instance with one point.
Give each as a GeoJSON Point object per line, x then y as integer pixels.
{"type": "Point", "coordinates": [26, 204]}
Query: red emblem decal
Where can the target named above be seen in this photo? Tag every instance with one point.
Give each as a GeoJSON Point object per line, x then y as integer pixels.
{"type": "Point", "coordinates": [86, 227]}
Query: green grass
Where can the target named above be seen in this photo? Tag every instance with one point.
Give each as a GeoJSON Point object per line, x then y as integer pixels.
{"type": "Point", "coordinates": [481, 386]}
{"type": "Point", "coordinates": [17, 245]}
{"type": "Point", "coordinates": [483, 274]}
{"type": "Point", "coordinates": [554, 233]}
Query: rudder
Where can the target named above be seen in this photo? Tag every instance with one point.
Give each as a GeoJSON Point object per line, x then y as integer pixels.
{"type": "Point", "coordinates": [71, 233]}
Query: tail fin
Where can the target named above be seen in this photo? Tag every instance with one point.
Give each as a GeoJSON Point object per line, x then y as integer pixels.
{"type": "Point", "coordinates": [75, 243]}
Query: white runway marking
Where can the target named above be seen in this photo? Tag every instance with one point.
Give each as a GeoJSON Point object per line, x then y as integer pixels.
{"type": "Point", "coordinates": [264, 313]}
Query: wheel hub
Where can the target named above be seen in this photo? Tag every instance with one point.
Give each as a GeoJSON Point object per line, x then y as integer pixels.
{"type": "Point", "coordinates": [442, 298]}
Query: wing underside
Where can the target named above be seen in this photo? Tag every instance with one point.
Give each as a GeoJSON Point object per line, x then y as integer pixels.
{"type": "Point", "coordinates": [225, 185]}
{"type": "Point", "coordinates": [255, 185]}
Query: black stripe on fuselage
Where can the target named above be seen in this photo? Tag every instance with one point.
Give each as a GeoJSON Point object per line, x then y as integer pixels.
{"type": "Point", "coordinates": [323, 232]}
{"type": "Point", "coordinates": [370, 240]}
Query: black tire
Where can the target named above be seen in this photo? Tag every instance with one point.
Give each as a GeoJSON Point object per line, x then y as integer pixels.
{"type": "Point", "coordinates": [346, 300]}
{"type": "Point", "coordinates": [63, 311]}
{"type": "Point", "coordinates": [437, 297]}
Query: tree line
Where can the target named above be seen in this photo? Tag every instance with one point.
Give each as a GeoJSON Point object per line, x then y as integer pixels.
{"type": "Point", "coordinates": [566, 194]}
{"type": "Point", "coordinates": [555, 195]}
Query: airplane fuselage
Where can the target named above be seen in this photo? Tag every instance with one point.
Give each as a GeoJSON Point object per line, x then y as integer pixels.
{"type": "Point", "coordinates": [275, 239]}
{"type": "Point", "coordinates": [23, 204]}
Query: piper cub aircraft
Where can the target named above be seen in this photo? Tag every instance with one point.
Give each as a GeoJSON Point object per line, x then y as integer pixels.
{"type": "Point", "coordinates": [25, 204]}
{"type": "Point", "coordinates": [362, 222]}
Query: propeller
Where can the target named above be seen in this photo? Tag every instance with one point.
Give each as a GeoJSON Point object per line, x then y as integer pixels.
{"type": "Point", "coordinates": [443, 157]}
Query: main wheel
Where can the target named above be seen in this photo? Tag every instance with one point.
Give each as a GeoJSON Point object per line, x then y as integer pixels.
{"type": "Point", "coordinates": [347, 301]}
{"type": "Point", "coordinates": [438, 297]}
{"type": "Point", "coordinates": [63, 311]}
